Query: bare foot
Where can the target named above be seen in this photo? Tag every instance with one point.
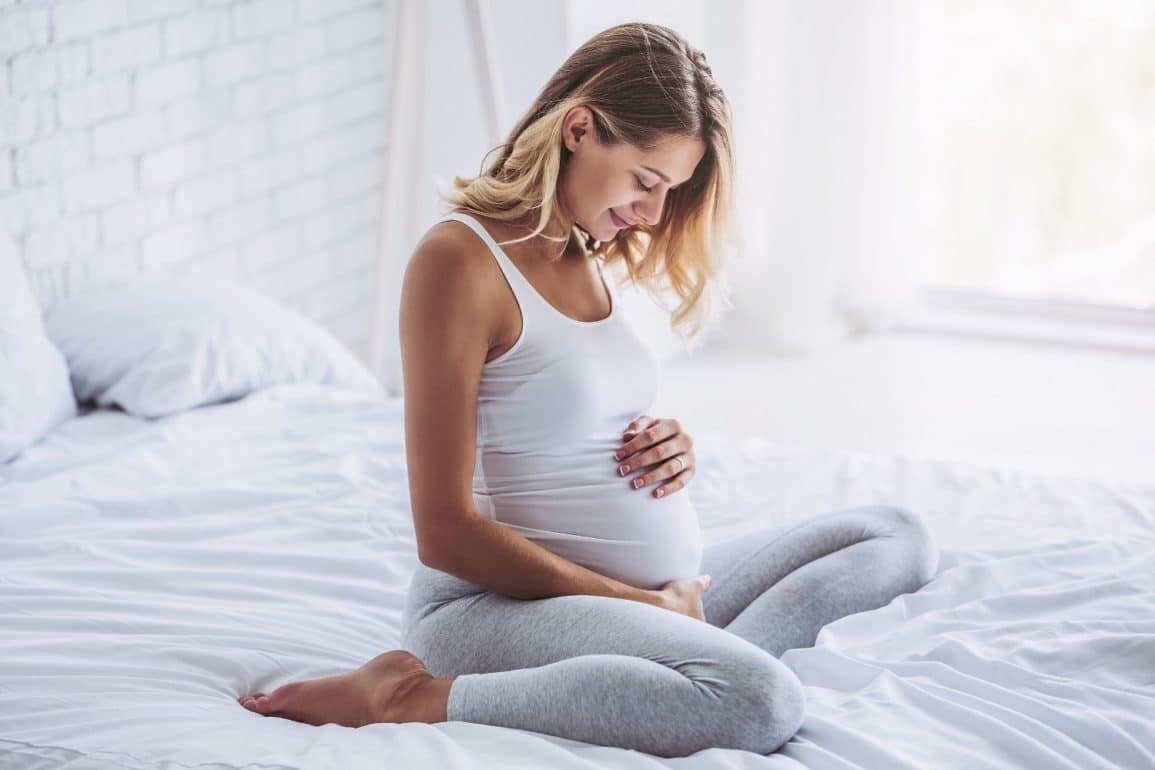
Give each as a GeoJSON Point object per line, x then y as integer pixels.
{"type": "Point", "coordinates": [393, 687]}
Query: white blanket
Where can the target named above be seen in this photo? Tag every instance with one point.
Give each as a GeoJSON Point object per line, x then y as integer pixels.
{"type": "Point", "coordinates": [153, 571]}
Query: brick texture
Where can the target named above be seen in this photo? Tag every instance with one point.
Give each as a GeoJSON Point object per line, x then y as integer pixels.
{"type": "Point", "coordinates": [241, 138]}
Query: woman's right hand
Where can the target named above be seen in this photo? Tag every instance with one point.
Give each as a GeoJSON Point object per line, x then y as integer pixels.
{"type": "Point", "coordinates": [684, 595]}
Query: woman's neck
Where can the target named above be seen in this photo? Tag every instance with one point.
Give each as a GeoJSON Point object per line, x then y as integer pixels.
{"type": "Point", "coordinates": [564, 243]}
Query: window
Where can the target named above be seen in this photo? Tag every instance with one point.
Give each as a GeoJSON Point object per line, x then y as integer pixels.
{"type": "Point", "coordinates": [1036, 141]}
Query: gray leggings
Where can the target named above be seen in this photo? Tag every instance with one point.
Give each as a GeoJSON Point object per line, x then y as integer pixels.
{"type": "Point", "coordinates": [622, 673]}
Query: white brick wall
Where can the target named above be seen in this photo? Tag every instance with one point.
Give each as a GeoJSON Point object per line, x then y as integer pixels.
{"type": "Point", "coordinates": [242, 138]}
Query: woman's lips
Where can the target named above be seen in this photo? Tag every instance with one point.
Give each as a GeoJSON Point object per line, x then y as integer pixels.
{"type": "Point", "coordinates": [618, 220]}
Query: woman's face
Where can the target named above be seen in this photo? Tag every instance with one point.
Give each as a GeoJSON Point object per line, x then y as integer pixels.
{"type": "Point", "coordinates": [600, 179]}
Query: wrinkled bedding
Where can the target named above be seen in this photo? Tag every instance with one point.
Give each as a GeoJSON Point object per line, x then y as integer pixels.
{"type": "Point", "coordinates": [154, 570]}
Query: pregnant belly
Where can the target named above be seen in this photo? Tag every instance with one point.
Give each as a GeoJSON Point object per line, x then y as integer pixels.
{"type": "Point", "coordinates": [581, 509]}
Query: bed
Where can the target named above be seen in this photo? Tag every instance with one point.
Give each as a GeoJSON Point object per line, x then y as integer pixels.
{"type": "Point", "coordinates": [156, 569]}
{"type": "Point", "coordinates": [158, 565]}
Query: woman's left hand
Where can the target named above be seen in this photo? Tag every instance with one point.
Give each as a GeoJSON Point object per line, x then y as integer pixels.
{"type": "Point", "coordinates": [659, 442]}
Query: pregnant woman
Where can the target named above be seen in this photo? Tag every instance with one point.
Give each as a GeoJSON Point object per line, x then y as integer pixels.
{"type": "Point", "coordinates": [563, 587]}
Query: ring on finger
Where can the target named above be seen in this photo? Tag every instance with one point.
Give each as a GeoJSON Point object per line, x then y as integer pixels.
{"type": "Point", "coordinates": [681, 463]}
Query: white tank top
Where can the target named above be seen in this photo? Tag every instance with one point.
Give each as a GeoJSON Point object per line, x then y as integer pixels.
{"type": "Point", "coordinates": [550, 415]}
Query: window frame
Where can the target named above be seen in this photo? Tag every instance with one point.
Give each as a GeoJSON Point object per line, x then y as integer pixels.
{"type": "Point", "coordinates": [974, 313]}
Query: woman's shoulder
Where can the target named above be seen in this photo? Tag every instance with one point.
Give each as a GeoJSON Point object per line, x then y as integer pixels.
{"type": "Point", "coordinates": [458, 235]}
{"type": "Point", "coordinates": [459, 259]}
{"type": "Point", "coordinates": [450, 270]}
{"type": "Point", "coordinates": [450, 235]}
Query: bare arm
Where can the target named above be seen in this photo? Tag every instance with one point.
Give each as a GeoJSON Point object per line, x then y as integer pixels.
{"type": "Point", "coordinates": [448, 325]}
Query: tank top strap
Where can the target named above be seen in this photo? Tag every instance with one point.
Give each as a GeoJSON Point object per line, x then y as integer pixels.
{"type": "Point", "coordinates": [517, 282]}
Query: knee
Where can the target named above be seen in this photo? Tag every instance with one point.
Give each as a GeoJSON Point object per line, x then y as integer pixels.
{"type": "Point", "coordinates": [919, 546]}
{"type": "Point", "coordinates": [768, 706]}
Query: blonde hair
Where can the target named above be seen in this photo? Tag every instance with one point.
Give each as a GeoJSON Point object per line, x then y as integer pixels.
{"type": "Point", "coordinates": [643, 83]}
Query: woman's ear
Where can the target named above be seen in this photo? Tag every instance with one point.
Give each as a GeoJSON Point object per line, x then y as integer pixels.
{"type": "Point", "coordinates": [576, 127]}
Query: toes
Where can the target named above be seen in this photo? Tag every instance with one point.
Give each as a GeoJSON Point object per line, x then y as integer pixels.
{"type": "Point", "coordinates": [251, 700]}
{"type": "Point", "coordinates": [259, 705]}
{"type": "Point", "coordinates": [279, 698]}
{"type": "Point", "coordinates": [268, 703]}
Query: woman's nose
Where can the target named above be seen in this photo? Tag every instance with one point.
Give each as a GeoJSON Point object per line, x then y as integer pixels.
{"type": "Point", "coordinates": [649, 211]}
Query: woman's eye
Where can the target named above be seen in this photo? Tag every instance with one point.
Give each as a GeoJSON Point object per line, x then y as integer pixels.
{"type": "Point", "coordinates": [640, 185]}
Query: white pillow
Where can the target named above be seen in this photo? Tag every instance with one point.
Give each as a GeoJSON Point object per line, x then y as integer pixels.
{"type": "Point", "coordinates": [35, 395]}
{"type": "Point", "coordinates": [159, 346]}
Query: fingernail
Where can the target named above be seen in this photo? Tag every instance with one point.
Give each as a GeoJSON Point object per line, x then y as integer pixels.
{"type": "Point", "coordinates": [660, 492]}
{"type": "Point", "coordinates": [637, 483]}
{"type": "Point", "coordinates": [623, 469]}
{"type": "Point", "coordinates": [617, 455]}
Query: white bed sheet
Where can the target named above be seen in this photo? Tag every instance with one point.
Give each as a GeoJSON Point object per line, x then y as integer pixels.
{"type": "Point", "coordinates": [154, 570]}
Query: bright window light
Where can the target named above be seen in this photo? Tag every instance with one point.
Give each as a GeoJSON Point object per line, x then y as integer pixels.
{"type": "Point", "coordinates": [1036, 140]}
